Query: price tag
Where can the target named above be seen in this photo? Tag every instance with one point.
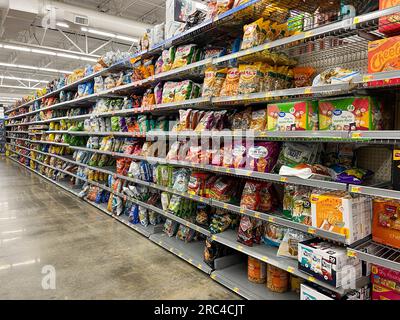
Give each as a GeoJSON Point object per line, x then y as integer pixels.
{"type": "Point", "coordinates": [290, 269]}
{"type": "Point", "coordinates": [271, 219]}
{"type": "Point", "coordinates": [311, 230]}
{"type": "Point", "coordinates": [266, 46]}
{"type": "Point", "coordinates": [214, 237]}
{"type": "Point", "coordinates": [257, 215]}
{"type": "Point", "coordinates": [190, 260]}
{"type": "Point", "coordinates": [311, 279]}
{"type": "Point", "coordinates": [225, 206]}
{"type": "Point", "coordinates": [264, 258]}
{"type": "Point", "coordinates": [351, 253]}
{"type": "Point", "coordinates": [356, 135]}
{"type": "Point", "coordinates": [367, 78]}
{"type": "Point", "coordinates": [355, 189]}
{"type": "Point", "coordinates": [249, 173]}
{"type": "Point", "coordinates": [356, 20]}
{"type": "Point", "coordinates": [228, 170]}
{"type": "Point", "coordinates": [308, 34]}
{"type": "Point", "coordinates": [180, 254]}
{"type": "Point", "coordinates": [191, 196]}
{"type": "Point", "coordinates": [308, 90]}
{"type": "Point", "coordinates": [241, 210]}
{"type": "Point", "coordinates": [268, 95]}
{"type": "Point", "coordinates": [239, 248]}
{"type": "Point", "coordinates": [236, 289]}
{"type": "Point", "coordinates": [283, 179]}
{"type": "Point", "coordinates": [200, 266]}
{"type": "Point", "coordinates": [214, 276]}
{"type": "Point", "coordinates": [201, 199]}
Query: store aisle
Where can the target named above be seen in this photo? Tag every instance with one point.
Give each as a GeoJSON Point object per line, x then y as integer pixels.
{"type": "Point", "coordinates": [94, 256]}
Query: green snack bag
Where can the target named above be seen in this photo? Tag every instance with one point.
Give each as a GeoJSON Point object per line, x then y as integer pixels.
{"type": "Point", "coordinates": [115, 124]}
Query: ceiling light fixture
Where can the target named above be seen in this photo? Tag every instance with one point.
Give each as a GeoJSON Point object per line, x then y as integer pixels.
{"type": "Point", "coordinates": [33, 68]}
{"type": "Point", "coordinates": [23, 79]}
{"type": "Point", "coordinates": [48, 52]}
{"type": "Point", "coordinates": [62, 24]}
{"type": "Point", "coordinates": [110, 35]}
{"type": "Point", "coordinates": [17, 87]}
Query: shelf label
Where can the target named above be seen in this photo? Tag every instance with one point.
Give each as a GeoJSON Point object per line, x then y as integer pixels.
{"type": "Point", "coordinates": [351, 253]}
{"type": "Point", "coordinates": [283, 179]}
{"type": "Point", "coordinates": [311, 230]}
{"type": "Point", "coordinates": [355, 189]}
{"type": "Point", "coordinates": [308, 34]}
{"type": "Point", "coordinates": [225, 206]}
{"type": "Point", "coordinates": [396, 155]}
{"type": "Point", "coordinates": [214, 276]}
{"type": "Point", "coordinates": [266, 46]}
{"type": "Point", "coordinates": [271, 219]}
{"type": "Point", "coordinates": [311, 279]}
{"type": "Point", "coordinates": [257, 215]}
{"type": "Point", "coordinates": [290, 269]}
{"type": "Point", "coordinates": [356, 135]}
{"type": "Point", "coordinates": [264, 258]}
{"type": "Point", "coordinates": [214, 237]}
{"type": "Point", "coordinates": [236, 289]}
{"type": "Point", "coordinates": [190, 260]}
{"type": "Point", "coordinates": [200, 266]}
{"type": "Point", "coordinates": [268, 95]}
{"type": "Point", "coordinates": [308, 90]}
{"type": "Point", "coordinates": [242, 210]}
{"type": "Point", "coordinates": [239, 248]}
{"type": "Point", "coordinates": [367, 78]}
{"type": "Point", "coordinates": [356, 20]}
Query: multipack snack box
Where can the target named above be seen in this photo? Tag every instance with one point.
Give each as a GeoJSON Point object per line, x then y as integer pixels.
{"type": "Point", "coordinates": [293, 116]}
{"type": "Point", "coordinates": [389, 25]}
{"type": "Point", "coordinates": [328, 262]}
{"type": "Point", "coordinates": [385, 283]}
{"type": "Point", "coordinates": [350, 114]}
{"type": "Point", "coordinates": [386, 222]}
{"type": "Point", "coordinates": [342, 213]}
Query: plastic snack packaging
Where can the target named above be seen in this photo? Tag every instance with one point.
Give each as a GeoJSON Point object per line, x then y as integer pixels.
{"type": "Point", "coordinates": [250, 78]}
{"type": "Point", "coordinates": [239, 155]}
{"type": "Point", "coordinates": [170, 227]}
{"type": "Point", "coordinates": [183, 55]}
{"type": "Point", "coordinates": [289, 245]}
{"type": "Point", "coordinates": [154, 218]}
{"type": "Point", "coordinates": [224, 5]}
{"type": "Point", "coordinates": [251, 196]}
{"type": "Point", "coordinates": [253, 34]}
{"type": "Point", "coordinates": [277, 279]}
{"type": "Point", "coordinates": [245, 231]}
{"type": "Point", "coordinates": [258, 120]}
{"type": "Point", "coordinates": [256, 270]}
{"type": "Point", "coordinates": [303, 76]}
{"type": "Point", "coordinates": [231, 83]}
{"type": "Point", "coordinates": [185, 233]}
{"type": "Point", "coordinates": [134, 214]}
{"type": "Point", "coordinates": [262, 157]}
{"type": "Point", "coordinates": [213, 81]}
{"type": "Point", "coordinates": [183, 90]}
{"type": "Point", "coordinates": [212, 251]}
{"type": "Point", "coordinates": [273, 234]}
{"type": "Point", "coordinates": [165, 198]}
{"type": "Point", "coordinates": [202, 215]}
{"type": "Point", "coordinates": [168, 94]}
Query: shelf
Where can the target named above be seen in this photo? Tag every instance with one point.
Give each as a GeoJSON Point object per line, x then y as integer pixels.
{"type": "Point", "coordinates": [191, 252]}
{"type": "Point", "coordinates": [235, 278]}
{"type": "Point", "coordinates": [375, 192]}
{"type": "Point", "coordinates": [376, 253]}
{"type": "Point", "coordinates": [268, 254]}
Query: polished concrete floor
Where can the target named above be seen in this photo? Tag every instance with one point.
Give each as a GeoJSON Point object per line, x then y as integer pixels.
{"type": "Point", "coordinates": [94, 256]}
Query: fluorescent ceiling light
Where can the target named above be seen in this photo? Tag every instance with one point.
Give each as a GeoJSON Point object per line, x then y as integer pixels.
{"type": "Point", "coordinates": [23, 79]}
{"type": "Point", "coordinates": [17, 87]}
{"type": "Point", "coordinates": [48, 52]}
{"type": "Point", "coordinates": [110, 35]}
{"type": "Point", "coordinates": [127, 38]}
{"type": "Point", "coordinates": [33, 68]}
{"type": "Point", "coordinates": [62, 24]}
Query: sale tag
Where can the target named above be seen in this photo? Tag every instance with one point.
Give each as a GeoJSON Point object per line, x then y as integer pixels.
{"type": "Point", "coordinates": [396, 155]}
{"type": "Point", "coordinates": [242, 210]}
{"type": "Point", "coordinates": [351, 253]}
{"type": "Point", "coordinates": [190, 260]}
{"type": "Point", "coordinates": [356, 135]}
{"type": "Point", "coordinates": [266, 46]}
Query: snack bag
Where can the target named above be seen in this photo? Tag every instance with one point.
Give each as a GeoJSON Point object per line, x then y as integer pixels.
{"type": "Point", "coordinates": [183, 90]}
{"type": "Point", "coordinates": [253, 34]}
{"type": "Point", "coordinates": [231, 83]}
{"type": "Point", "coordinates": [263, 156]}
{"type": "Point", "coordinates": [251, 196]}
{"type": "Point", "coordinates": [250, 78]}
{"type": "Point", "coordinates": [168, 94]}
{"type": "Point", "coordinates": [213, 81]}
{"type": "Point", "coordinates": [258, 120]}
{"type": "Point", "coordinates": [183, 55]}
{"type": "Point", "coordinates": [303, 76]}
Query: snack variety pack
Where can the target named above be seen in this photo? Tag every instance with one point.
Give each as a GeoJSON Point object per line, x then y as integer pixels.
{"type": "Point", "coordinates": [386, 222]}
{"type": "Point", "coordinates": [385, 283]}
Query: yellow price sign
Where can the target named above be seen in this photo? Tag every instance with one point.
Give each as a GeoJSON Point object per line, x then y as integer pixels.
{"type": "Point", "coordinates": [214, 276]}
{"type": "Point", "coordinates": [356, 135]}
{"type": "Point", "coordinates": [241, 210]}
{"type": "Point", "coordinates": [311, 230]}
{"type": "Point", "coordinates": [200, 266]}
{"type": "Point", "coordinates": [290, 269]}
{"type": "Point", "coordinates": [271, 219]}
{"type": "Point", "coordinates": [236, 289]}
{"type": "Point", "coordinates": [368, 78]}
{"type": "Point", "coordinates": [311, 279]}
{"type": "Point", "coordinates": [351, 253]}
{"type": "Point", "coordinates": [264, 258]}
{"type": "Point", "coordinates": [266, 46]}
{"type": "Point", "coordinates": [356, 20]}
{"type": "Point", "coordinates": [355, 189]}
{"type": "Point", "coordinates": [214, 237]}
{"type": "Point", "coordinates": [190, 260]}
{"type": "Point", "coordinates": [268, 95]}
{"type": "Point", "coordinates": [171, 249]}
{"type": "Point", "coordinates": [239, 248]}
{"type": "Point", "coordinates": [308, 34]}
{"type": "Point", "coordinates": [257, 215]}
{"type": "Point", "coordinates": [283, 179]}
{"type": "Point", "coordinates": [308, 90]}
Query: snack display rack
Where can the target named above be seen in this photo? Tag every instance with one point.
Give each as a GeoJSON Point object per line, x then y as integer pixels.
{"type": "Point", "coordinates": [355, 32]}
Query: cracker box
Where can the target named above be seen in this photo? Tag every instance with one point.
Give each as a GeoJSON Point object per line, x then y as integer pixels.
{"type": "Point", "coordinates": [389, 25]}
{"type": "Point", "coordinates": [342, 213]}
{"type": "Point", "coordinates": [386, 222]}
{"type": "Point", "coordinates": [292, 116]}
{"type": "Point", "coordinates": [350, 114]}
{"type": "Point", "coordinates": [328, 262]}
{"type": "Point", "coordinates": [385, 283]}
{"type": "Point", "coordinates": [384, 55]}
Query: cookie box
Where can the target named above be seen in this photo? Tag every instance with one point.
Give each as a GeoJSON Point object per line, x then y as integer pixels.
{"type": "Point", "coordinates": [342, 213]}
{"type": "Point", "coordinates": [293, 116]}
{"type": "Point", "coordinates": [350, 114]}
{"type": "Point", "coordinates": [328, 262]}
{"type": "Point", "coordinates": [385, 283]}
{"type": "Point", "coordinates": [386, 222]}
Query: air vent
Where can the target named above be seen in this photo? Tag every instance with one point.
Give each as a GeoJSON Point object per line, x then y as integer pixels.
{"type": "Point", "coordinates": [83, 21]}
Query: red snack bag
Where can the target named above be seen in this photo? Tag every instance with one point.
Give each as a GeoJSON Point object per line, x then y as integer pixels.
{"type": "Point", "coordinates": [251, 197]}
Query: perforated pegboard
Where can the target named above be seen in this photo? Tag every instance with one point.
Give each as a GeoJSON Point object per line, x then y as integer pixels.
{"type": "Point", "coordinates": [377, 159]}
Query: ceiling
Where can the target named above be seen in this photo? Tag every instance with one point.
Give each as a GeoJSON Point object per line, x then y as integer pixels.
{"type": "Point", "coordinates": [30, 32]}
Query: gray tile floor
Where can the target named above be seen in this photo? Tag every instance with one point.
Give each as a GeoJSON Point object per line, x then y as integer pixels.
{"type": "Point", "coordinates": [94, 256]}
